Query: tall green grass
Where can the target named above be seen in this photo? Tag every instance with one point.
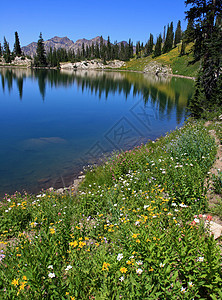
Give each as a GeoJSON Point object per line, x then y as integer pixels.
{"type": "Point", "coordinates": [135, 230]}
{"type": "Point", "coordinates": [180, 65]}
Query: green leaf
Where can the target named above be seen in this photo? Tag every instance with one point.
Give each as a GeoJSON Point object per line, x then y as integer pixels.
{"type": "Point", "coordinates": [132, 280]}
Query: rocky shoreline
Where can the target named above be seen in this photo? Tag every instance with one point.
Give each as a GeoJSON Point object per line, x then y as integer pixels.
{"type": "Point", "coordinates": [153, 67]}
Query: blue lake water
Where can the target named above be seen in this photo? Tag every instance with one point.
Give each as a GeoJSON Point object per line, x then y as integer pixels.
{"type": "Point", "coordinates": [54, 122]}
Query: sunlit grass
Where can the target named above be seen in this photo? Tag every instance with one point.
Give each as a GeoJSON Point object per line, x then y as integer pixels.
{"type": "Point", "coordinates": [135, 230]}
{"type": "Point", "coordinates": [181, 65]}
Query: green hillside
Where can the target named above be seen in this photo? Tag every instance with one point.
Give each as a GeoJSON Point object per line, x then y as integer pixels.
{"type": "Point", "coordinates": [180, 65]}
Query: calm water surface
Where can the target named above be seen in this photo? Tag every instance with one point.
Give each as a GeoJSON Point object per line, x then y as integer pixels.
{"type": "Point", "coordinates": [52, 123]}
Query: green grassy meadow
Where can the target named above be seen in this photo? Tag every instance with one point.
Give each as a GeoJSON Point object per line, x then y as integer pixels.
{"type": "Point", "coordinates": [181, 65]}
{"type": "Point", "coordinates": [134, 230]}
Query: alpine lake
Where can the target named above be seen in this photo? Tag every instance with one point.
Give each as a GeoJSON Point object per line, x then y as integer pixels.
{"type": "Point", "coordinates": [55, 122]}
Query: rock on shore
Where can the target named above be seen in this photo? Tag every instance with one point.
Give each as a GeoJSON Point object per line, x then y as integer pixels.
{"type": "Point", "coordinates": [92, 64]}
{"type": "Point", "coordinates": [18, 62]}
{"type": "Point", "coordinates": [158, 69]}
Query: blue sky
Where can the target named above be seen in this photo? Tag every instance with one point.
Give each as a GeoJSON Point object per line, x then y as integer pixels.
{"type": "Point", "coordinates": [120, 19]}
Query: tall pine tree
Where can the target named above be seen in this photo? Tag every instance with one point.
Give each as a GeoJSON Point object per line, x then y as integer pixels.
{"type": "Point", "coordinates": [138, 49]}
{"type": "Point", "coordinates": [149, 46]}
{"type": "Point", "coordinates": [158, 46]}
{"type": "Point", "coordinates": [178, 34]}
{"type": "Point", "coordinates": [189, 34]}
{"type": "Point", "coordinates": [17, 49]}
{"type": "Point", "coordinates": [108, 54]}
{"type": "Point", "coordinates": [168, 45]}
{"type": "Point", "coordinates": [40, 58]}
{"type": "Point", "coordinates": [206, 17]}
{"type": "Point", "coordinates": [130, 48]}
{"type": "Point", "coordinates": [6, 51]}
{"type": "Point", "coordinates": [83, 51]}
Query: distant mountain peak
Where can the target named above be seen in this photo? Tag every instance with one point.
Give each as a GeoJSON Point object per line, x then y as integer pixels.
{"type": "Point", "coordinates": [62, 42]}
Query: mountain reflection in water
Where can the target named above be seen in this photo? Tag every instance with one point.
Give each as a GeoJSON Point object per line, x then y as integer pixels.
{"type": "Point", "coordinates": [52, 121]}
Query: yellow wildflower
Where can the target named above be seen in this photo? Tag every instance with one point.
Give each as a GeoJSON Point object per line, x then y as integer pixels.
{"type": "Point", "coordinates": [105, 266]}
{"type": "Point", "coordinates": [15, 282]}
{"type": "Point", "coordinates": [81, 244]}
{"type": "Point", "coordinates": [74, 244]}
{"type": "Point", "coordinates": [135, 235]}
{"type": "Point", "coordinates": [123, 270]}
{"type": "Point", "coordinates": [52, 230]}
{"type": "Point", "coordinates": [22, 286]}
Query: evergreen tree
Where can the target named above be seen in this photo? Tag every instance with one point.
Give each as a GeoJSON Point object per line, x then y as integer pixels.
{"type": "Point", "coordinates": [17, 49]}
{"type": "Point", "coordinates": [189, 32]}
{"type": "Point", "coordinates": [206, 17]}
{"type": "Point", "coordinates": [122, 54]}
{"type": "Point", "coordinates": [0, 50]}
{"type": "Point", "coordinates": [158, 46]}
{"type": "Point", "coordinates": [6, 51]}
{"type": "Point", "coordinates": [52, 58]}
{"type": "Point", "coordinates": [130, 48]}
{"type": "Point", "coordinates": [78, 55]}
{"type": "Point", "coordinates": [55, 59]}
{"type": "Point", "coordinates": [102, 50]}
{"type": "Point", "coordinates": [97, 52]}
{"type": "Point", "coordinates": [116, 50]}
{"type": "Point", "coordinates": [87, 52]}
{"type": "Point", "coordinates": [149, 46]}
{"type": "Point", "coordinates": [168, 45]}
{"type": "Point", "coordinates": [71, 55]}
{"type": "Point", "coordinates": [40, 58]}
{"type": "Point", "coordinates": [171, 35]}
{"type": "Point", "coordinates": [108, 55]}
{"type": "Point", "coordinates": [101, 47]}
{"type": "Point", "coordinates": [127, 52]}
{"type": "Point", "coordinates": [83, 51]}
{"type": "Point", "coordinates": [138, 50]}
{"type": "Point", "coordinates": [142, 47]}
{"type": "Point", "coordinates": [183, 48]}
{"type": "Point", "coordinates": [164, 34]}
{"type": "Point", "coordinates": [92, 50]}
{"type": "Point", "coordinates": [178, 34]}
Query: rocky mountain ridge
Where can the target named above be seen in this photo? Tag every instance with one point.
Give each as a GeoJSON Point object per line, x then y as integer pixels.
{"type": "Point", "coordinates": [62, 42]}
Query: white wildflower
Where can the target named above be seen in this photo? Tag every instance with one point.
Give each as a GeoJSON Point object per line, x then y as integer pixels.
{"type": "Point", "coordinates": [201, 259]}
{"type": "Point", "coordinates": [183, 290]}
{"type": "Point", "coordinates": [51, 275]}
{"type": "Point", "coordinates": [119, 256]}
{"type": "Point", "coordinates": [68, 268]}
{"type": "Point", "coordinates": [196, 220]}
